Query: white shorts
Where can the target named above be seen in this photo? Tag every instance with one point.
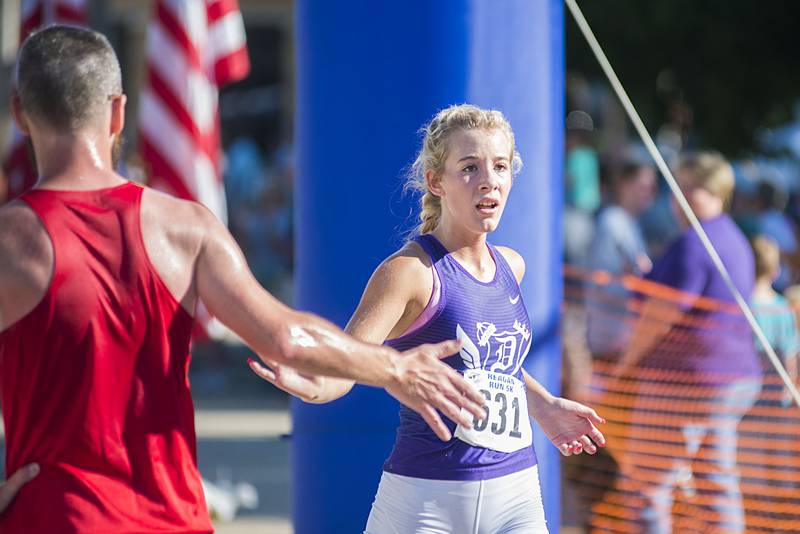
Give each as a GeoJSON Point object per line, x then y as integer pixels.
{"type": "Point", "coordinates": [503, 505]}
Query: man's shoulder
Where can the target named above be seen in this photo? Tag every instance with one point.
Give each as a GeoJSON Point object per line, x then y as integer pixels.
{"type": "Point", "coordinates": [175, 232]}
{"type": "Point", "coordinates": [176, 217]}
{"type": "Point", "coordinates": [172, 209]}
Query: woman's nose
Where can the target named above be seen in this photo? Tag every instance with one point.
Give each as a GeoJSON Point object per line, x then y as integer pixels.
{"type": "Point", "coordinates": [489, 180]}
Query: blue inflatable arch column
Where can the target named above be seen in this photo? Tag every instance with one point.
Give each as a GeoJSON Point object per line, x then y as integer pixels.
{"type": "Point", "coordinates": [369, 74]}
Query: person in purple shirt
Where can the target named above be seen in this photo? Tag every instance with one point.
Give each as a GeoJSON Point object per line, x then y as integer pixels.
{"type": "Point", "coordinates": [448, 282]}
{"type": "Point", "coordinates": [693, 347]}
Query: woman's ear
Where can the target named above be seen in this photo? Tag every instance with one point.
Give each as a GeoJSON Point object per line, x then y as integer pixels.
{"type": "Point", "coordinates": [434, 183]}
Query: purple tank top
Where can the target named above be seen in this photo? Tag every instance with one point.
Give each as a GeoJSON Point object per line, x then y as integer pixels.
{"type": "Point", "coordinates": [494, 318]}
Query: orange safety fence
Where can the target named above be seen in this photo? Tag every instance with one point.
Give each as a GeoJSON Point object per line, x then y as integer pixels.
{"type": "Point", "coordinates": [702, 435]}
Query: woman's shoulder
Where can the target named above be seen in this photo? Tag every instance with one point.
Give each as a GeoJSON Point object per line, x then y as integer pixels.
{"type": "Point", "coordinates": [411, 256]}
{"type": "Point", "coordinates": [407, 266]}
{"type": "Point", "coordinates": [514, 260]}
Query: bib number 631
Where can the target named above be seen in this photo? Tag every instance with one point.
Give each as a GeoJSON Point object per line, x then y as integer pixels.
{"type": "Point", "coordinates": [505, 425]}
{"type": "Point", "coordinates": [500, 403]}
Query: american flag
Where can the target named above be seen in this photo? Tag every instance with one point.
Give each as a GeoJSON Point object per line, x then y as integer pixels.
{"type": "Point", "coordinates": [17, 164]}
{"type": "Point", "coordinates": [193, 48]}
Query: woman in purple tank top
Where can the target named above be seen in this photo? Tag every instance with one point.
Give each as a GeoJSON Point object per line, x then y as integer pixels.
{"type": "Point", "coordinates": [446, 283]}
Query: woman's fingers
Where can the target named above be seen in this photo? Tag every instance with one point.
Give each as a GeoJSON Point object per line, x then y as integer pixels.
{"type": "Point", "coordinates": [588, 446]}
{"type": "Point", "coordinates": [262, 371]}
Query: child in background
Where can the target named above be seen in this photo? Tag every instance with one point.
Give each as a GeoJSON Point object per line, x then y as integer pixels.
{"type": "Point", "coordinates": [774, 313]}
{"type": "Point", "coordinates": [792, 294]}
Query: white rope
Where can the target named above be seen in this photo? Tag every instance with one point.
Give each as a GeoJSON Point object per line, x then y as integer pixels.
{"type": "Point", "coordinates": [687, 210]}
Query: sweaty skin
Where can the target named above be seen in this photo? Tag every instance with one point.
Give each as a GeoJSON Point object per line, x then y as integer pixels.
{"type": "Point", "coordinates": [300, 337]}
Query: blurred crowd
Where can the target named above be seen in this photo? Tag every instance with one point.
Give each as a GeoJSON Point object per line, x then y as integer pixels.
{"type": "Point", "coordinates": [653, 337]}
{"type": "Point", "coordinates": [620, 214]}
{"type": "Point", "coordinates": [259, 190]}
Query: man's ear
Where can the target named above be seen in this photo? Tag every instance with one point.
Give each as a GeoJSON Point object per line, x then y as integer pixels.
{"type": "Point", "coordinates": [117, 114]}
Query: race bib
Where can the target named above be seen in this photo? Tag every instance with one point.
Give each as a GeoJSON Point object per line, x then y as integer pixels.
{"type": "Point", "coordinates": [505, 426]}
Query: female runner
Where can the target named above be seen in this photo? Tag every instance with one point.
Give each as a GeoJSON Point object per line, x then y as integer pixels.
{"type": "Point", "coordinates": [449, 282]}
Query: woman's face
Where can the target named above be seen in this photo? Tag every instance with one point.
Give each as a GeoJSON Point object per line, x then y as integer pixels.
{"type": "Point", "coordinates": [476, 180]}
{"type": "Point", "coordinates": [703, 203]}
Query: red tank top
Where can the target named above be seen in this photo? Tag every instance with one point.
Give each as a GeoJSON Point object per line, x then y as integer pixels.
{"type": "Point", "coordinates": [94, 381]}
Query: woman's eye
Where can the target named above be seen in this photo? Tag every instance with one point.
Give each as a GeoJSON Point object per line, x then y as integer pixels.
{"type": "Point", "coordinates": [470, 168]}
{"type": "Point", "coordinates": [501, 167]}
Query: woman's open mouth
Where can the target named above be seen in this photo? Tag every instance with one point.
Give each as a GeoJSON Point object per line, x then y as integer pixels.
{"type": "Point", "coordinates": [487, 206]}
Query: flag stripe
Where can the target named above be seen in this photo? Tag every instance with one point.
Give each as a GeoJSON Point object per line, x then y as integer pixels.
{"type": "Point", "coordinates": [233, 67]}
{"type": "Point", "coordinates": [230, 49]}
{"type": "Point", "coordinates": [69, 14]}
{"type": "Point", "coordinates": [185, 81]}
{"type": "Point", "coordinates": [173, 106]}
{"type": "Point", "coordinates": [180, 149]}
{"type": "Point", "coordinates": [173, 26]}
{"type": "Point", "coordinates": [220, 8]}
{"type": "Point", "coordinates": [227, 35]}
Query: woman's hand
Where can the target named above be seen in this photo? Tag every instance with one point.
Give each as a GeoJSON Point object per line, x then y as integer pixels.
{"type": "Point", "coordinates": [9, 489]}
{"type": "Point", "coordinates": [569, 425]}
{"type": "Point", "coordinates": [306, 387]}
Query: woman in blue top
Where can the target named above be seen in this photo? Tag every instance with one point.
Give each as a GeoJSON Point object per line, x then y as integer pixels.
{"type": "Point", "coordinates": [448, 282]}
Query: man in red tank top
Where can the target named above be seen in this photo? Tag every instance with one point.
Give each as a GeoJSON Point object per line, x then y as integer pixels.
{"type": "Point", "coordinates": [98, 281]}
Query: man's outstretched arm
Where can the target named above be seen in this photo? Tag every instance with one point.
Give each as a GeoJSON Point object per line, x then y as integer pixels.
{"type": "Point", "coordinates": [313, 345]}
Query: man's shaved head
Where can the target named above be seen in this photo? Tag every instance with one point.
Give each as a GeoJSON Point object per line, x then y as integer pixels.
{"type": "Point", "coordinates": [65, 76]}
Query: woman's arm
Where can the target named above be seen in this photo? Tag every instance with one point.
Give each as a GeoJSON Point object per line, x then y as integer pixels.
{"type": "Point", "coordinates": [568, 424]}
{"type": "Point", "coordinates": [395, 295]}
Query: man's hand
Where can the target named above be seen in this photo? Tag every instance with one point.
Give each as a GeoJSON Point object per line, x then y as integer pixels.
{"type": "Point", "coordinates": [305, 387]}
{"type": "Point", "coordinates": [425, 384]}
{"type": "Point", "coordinates": [420, 381]}
{"type": "Point", "coordinates": [9, 489]}
{"type": "Point", "coordinates": [570, 426]}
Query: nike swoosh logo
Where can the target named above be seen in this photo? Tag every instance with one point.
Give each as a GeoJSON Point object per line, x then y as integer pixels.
{"type": "Point", "coordinates": [514, 300]}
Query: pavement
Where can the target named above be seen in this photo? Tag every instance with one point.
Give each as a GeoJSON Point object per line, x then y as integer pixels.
{"type": "Point", "coordinates": [245, 440]}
